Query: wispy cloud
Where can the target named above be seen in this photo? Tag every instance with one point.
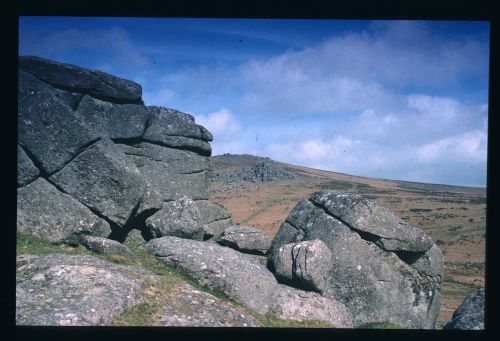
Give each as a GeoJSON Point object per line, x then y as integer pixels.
{"type": "Point", "coordinates": [113, 42]}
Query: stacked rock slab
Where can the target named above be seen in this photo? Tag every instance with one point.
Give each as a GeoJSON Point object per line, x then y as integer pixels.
{"type": "Point", "coordinates": [377, 266]}
{"type": "Point", "coordinates": [86, 135]}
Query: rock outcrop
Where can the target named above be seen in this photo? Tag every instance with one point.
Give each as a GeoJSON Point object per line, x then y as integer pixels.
{"type": "Point", "coordinates": [263, 172]}
{"type": "Point", "coordinates": [86, 138]}
{"type": "Point", "coordinates": [470, 314]}
{"type": "Point", "coordinates": [75, 290]}
{"type": "Point", "coordinates": [378, 266]}
{"type": "Point", "coordinates": [216, 267]}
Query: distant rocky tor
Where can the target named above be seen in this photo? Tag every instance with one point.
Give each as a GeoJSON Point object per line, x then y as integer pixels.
{"type": "Point", "coordinates": [96, 167]}
{"type": "Point", "coordinates": [262, 172]}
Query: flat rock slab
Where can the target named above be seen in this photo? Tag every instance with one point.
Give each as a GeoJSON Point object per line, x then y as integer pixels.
{"type": "Point", "coordinates": [245, 239]}
{"type": "Point", "coordinates": [298, 305]}
{"type": "Point", "coordinates": [105, 246]}
{"type": "Point", "coordinates": [470, 314]}
{"type": "Point", "coordinates": [45, 212]}
{"type": "Point", "coordinates": [77, 79]}
{"type": "Point", "coordinates": [216, 267]}
{"type": "Point", "coordinates": [75, 290]}
{"type": "Point", "coordinates": [194, 308]}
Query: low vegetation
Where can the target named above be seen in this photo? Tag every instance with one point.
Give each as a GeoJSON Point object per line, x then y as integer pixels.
{"type": "Point", "coordinates": [169, 281]}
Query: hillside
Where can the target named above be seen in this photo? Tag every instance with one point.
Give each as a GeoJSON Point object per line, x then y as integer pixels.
{"type": "Point", "coordinates": [453, 216]}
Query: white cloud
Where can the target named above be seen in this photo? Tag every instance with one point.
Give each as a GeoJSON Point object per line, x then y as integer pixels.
{"type": "Point", "coordinates": [162, 97]}
{"type": "Point", "coordinates": [222, 124]}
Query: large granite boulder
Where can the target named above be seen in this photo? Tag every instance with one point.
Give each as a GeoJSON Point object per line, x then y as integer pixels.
{"type": "Point", "coordinates": [470, 314]}
{"type": "Point", "coordinates": [89, 134]}
{"type": "Point", "coordinates": [245, 239]}
{"type": "Point", "coordinates": [76, 290]}
{"type": "Point", "coordinates": [77, 79]}
{"type": "Point", "coordinates": [216, 267]}
{"type": "Point", "coordinates": [45, 212]}
{"type": "Point", "coordinates": [380, 269]}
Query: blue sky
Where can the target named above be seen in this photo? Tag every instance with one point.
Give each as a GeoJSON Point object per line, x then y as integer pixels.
{"type": "Point", "coordinates": [401, 100]}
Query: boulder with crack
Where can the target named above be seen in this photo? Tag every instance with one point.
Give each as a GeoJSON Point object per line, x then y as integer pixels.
{"type": "Point", "coordinates": [216, 267]}
{"type": "Point", "coordinates": [381, 269]}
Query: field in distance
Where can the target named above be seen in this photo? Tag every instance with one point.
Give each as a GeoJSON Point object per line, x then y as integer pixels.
{"type": "Point", "coordinates": [453, 216]}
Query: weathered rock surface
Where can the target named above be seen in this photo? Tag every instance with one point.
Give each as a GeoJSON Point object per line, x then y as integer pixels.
{"type": "Point", "coordinates": [47, 213]}
{"type": "Point", "coordinates": [76, 79]}
{"type": "Point", "coordinates": [221, 268]}
{"type": "Point", "coordinates": [263, 172]}
{"type": "Point", "coordinates": [170, 172]}
{"type": "Point", "coordinates": [115, 121]}
{"type": "Point", "coordinates": [215, 218]}
{"type": "Point", "coordinates": [75, 290]}
{"type": "Point", "coordinates": [376, 285]}
{"type": "Point", "coordinates": [47, 126]}
{"type": "Point", "coordinates": [105, 246]}
{"type": "Point", "coordinates": [194, 308]}
{"type": "Point", "coordinates": [297, 305]}
{"type": "Point", "coordinates": [392, 233]}
{"type": "Point", "coordinates": [245, 239]}
{"type": "Point", "coordinates": [470, 314]}
{"type": "Point", "coordinates": [104, 179]}
{"type": "Point", "coordinates": [26, 170]}
{"type": "Point", "coordinates": [178, 218]}
{"type": "Point", "coordinates": [306, 262]}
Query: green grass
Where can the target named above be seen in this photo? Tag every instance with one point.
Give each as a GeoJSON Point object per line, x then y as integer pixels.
{"type": "Point", "coordinates": [27, 244]}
